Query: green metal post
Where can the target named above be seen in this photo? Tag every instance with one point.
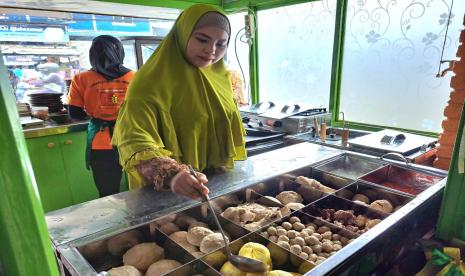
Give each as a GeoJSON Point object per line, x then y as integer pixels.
{"type": "Point", "coordinates": [338, 50]}
{"type": "Point", "coordinates": [25, 246]}
{"type": "Point", "coordinates": [254, 77]}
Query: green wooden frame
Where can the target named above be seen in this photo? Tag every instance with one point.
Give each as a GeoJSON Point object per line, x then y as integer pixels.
{"type": "Point", "coordinates": [175, 4]}
{"type": "Point", "coordinates": [337, 60]}
{"type": "Point", "coordinates": [26, 248]}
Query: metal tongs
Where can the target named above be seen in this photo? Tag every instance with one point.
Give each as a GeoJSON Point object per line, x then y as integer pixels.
{"type": "Point", "coordinates": [242, 263]}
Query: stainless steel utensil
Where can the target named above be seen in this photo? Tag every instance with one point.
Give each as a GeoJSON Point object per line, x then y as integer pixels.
{"type": "Point", "coordinates": [243, 263]}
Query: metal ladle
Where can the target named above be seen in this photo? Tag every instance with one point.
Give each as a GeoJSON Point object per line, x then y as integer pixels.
{"type": "Point", "coordinates": [242, 263]}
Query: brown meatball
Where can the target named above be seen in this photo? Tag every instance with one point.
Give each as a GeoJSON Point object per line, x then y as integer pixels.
{"type": "Point", "coordinates": [362, 198]}
{"type": "Point", "coordinates": [372, 222]}
{"type": "Point", "coordinates": [382, 205]}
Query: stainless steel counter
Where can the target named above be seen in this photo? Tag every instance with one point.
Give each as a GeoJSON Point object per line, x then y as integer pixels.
{"type": "Point", "coordinates": [82, 223]}
{"type": "Point", "coordinates": [102, 218]}
{"type": "Point", "coordinates": [308, 137]}
{"type": "Point", "coordinates": [53, 129]}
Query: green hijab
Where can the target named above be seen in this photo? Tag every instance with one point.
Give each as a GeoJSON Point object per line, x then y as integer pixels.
{"type": "Point", "coordinates": [175, 109]}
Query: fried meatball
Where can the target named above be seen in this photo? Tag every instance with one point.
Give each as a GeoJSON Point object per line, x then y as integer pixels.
{"type": "Point", "coordinates": [382, 205]}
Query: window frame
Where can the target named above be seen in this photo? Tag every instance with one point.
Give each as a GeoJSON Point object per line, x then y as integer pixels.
{"type": "Point", "coordinates": [336, 66]}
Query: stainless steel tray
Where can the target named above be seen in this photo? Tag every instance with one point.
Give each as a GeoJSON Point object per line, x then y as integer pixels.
{"type": "Point", "coordinates": [350, 166]}
{"type": "Point", "coordinates": [263, 181]}
{"type": "Point", "coordinates": [374, 142]}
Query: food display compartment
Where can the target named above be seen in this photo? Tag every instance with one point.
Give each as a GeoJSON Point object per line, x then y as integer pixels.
{"type": "Point", "coordinates": [328, 179]}
{"type": "Point", "coordinates": [344, 213]}
{"type": "Point", "coordinates": [105, 254]}
{"type": "Point", "coordinates": [199, 216]}
{"type": "Point", "coordinates": [375, 196]}
{"type": "Point", "coordinates": [254, 212]}
{"type": "Point", "coordinates": [401, 179]}
{"type": "Point", "coordinates": [311, 184]}
{"type": "Point", "coordinates": [317, 239]}
{"type": "Point", "coordinates": [287, 261]}
{"type": "Point", "coordinates": [178, 226]}
{"type": "Point", "coordinates": [350, 166]}
{"type": "Point", "coordinates": [196, 267]}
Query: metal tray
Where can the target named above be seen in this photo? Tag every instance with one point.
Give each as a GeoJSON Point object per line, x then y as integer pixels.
{"type": "Point", "coordinates": [77, 260]}
{"type": "Point", "coordinates": [350, 166]}
{"type": "Point", "coordinates": [202, 216]}
{"type": "Point", "coordinates": [292, 264]}
{"type": "Point", "coordinates": [102, 256]}
{"type": "Point", "coordinates": [309, 194]}
{"type": "Point", "coordinates": [306, 220]}
{"type": "Point", "coordinates": [402, 179]}
{"type": "Point", "coordinates": [197, 267]}
{"type": "Point", "coordinates": [372, 193]}
{"type": "Point", "coordinates": [337, 203]}
{"type": "Point", "coordinates": [253, 197]}
{"type": "Point", "coordinates": [374, 142]}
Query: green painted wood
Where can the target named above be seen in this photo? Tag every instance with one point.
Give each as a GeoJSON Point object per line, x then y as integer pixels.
{"type": "Point", "coordinates": [25, 246]}
{"type": "Point", "coordinates": [79, 179]}
{"type": "Point", "coordinates": [49, 171]}
{"type": "Point", "coordinates": [338, 51]}
{"type": "Point", "coordinates": [451, 222]}
{"type": "Point", "coordinates": [236, 5]}
{"type": "Point", "coordinates": [175, 4]}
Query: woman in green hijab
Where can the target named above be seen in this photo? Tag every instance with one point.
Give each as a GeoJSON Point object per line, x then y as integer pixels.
{"type": "Point", "coordinates": [179, 108]}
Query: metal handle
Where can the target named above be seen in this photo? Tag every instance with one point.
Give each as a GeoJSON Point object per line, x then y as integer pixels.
{"type": "Point", "coordinates": [68, 142]}
{"type": "Point", "coordinates": [51, 145]}
{"type": "Point", "coordinates": [215, 218]}
{"type": "Point", "coordinates": [395, 154]}
{"type": "Point", "coordinates": [343, 120]}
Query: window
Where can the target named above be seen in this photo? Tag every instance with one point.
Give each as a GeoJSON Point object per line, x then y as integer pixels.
{"type": "Point", "coordinates": [123, 20]}
{"type": "Point", "coordinates": [295, 53]}
{"type": "Point", "coordinates": [28, 42]}
{"type": "Point", "coordinates": [391, 57]}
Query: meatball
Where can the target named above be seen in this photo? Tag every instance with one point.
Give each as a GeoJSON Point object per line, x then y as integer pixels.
{"type": "Point", "coordinates": [382, 205]}
{"type": "Point", "coordinates": [362, 198]}
{"type": "Point", "coordinates": [289, 197]}
{"type": "Point", "coordinates": [196, 234]}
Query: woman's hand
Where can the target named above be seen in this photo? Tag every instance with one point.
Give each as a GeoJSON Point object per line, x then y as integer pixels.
{"type": "Point", "coordinates": [183, 183]}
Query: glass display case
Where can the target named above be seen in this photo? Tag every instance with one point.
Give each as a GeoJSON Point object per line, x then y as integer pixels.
{"type": "Point", "coordinates": [139, 49]}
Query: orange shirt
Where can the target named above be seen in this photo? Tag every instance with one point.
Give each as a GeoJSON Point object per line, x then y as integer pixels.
{"type": "Point", "coordinates": [100, 98]}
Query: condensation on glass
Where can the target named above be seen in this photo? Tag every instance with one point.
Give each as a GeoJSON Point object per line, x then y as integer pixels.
{"type": "Point", "coordinates": [391, 56]}
{"type": "Point", "coordinates": [237, 57]}
{"type": "Point", "coordinates": [295, 52]}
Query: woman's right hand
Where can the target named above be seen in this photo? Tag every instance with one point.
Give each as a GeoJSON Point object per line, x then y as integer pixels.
{"type": "Point", "coordinates": [183, 183]}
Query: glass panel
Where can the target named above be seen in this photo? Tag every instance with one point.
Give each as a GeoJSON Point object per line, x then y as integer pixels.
{"type": "Point", "coordinates": [25, 50]}
{"type": "Point", "coordinates": [295, 52]}
{"type": "Point", "coordinates": [130, 60]}
{"type": "Point", "coordinates": [147, 51]}
{"type": "Point", "coordinates": [391, 56]}
{"type": "Point", "coordinates": [237, 57]}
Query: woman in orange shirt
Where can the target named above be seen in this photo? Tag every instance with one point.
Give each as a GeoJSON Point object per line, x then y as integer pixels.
{"type": "Point", "coordinates": [99, 93]}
